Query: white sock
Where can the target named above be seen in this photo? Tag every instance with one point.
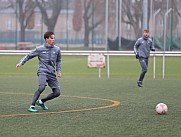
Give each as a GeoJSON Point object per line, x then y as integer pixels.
{"type": "Point", "coordinates": [40, 102]}
{"type": "Point", "coordinates": [32, 106]}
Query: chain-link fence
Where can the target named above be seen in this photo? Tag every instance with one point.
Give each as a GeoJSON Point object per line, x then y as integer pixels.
{"type": "Point", "coordinates": [90, 24]}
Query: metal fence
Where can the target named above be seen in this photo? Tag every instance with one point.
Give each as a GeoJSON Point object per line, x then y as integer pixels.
{"type": "Point", "coordinates": [87, 24]}
{"type": "Point", "coordinates": [107, 54]}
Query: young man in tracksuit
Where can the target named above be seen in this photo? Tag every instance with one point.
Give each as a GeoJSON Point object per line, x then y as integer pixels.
{"type": "Point", "coordinates": [142, 49]}
{"type": "Point", "coordinates": [49, 56]}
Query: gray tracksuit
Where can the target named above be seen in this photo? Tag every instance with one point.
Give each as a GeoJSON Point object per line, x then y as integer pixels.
{"type": "Point", "coordinates": [143, 46]}
{"type": "Point", "coordinates": [49, 59]}
{"type": "Point", "coordinates": [142, 49]}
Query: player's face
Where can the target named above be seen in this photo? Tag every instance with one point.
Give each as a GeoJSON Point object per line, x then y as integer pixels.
{"type": "Point", "coordinates": [146, 34]}
{"type": "Point", "coordinates": [51, 40]}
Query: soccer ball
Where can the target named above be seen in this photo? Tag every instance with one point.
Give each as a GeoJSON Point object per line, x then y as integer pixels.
{"type": "Point", "coordinates": [161, 108]}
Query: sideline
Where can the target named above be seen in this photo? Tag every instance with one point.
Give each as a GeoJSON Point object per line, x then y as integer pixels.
{"type": "Point", "coordinates": [114, 103]}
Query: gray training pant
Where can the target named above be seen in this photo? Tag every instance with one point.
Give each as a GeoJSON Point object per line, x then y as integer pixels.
{"type": "Point", "coordinates": [144, 66]}
{"type": "Point", "coordinates": [52, 83]}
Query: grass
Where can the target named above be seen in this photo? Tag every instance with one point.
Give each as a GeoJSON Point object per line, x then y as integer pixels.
{"type": "Point", "coordinates": [76, 66]}
{"type": "Point", "coordinates": [71, 115]}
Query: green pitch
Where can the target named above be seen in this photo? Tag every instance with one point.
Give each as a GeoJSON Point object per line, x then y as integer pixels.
{"type": "Point", "coordinates": [76, 66]}
{"type": "Point", "coordinates": [89, 106]}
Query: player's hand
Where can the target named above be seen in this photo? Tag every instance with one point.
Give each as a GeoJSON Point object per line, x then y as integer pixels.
{"type": "Point", "coordinates": [152, 49]}
{"type": "Point", "coordinates": [137, 56]}
{"type": "Point", "coordinates": [59, 75]}
{"type": "Point", "coordinates": [18, 65]}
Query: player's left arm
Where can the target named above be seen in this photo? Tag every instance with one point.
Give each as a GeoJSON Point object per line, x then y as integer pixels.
{"type": "Point", "coordinates": [58, 64]}
{"type": "Point", "coordinates": [152, 47]}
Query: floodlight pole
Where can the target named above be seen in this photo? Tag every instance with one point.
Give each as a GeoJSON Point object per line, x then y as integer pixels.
{"type": "Point", "coordinates": [145, 14]}
{"type": "Point", "coordinates": [16, 26]}
{"type": "Point", "coordinates": [165, 25]}
{"type": "Point", "coordinates": [151, 16]}
{"type": "Point", "coordinates": [106, 36]}
{"type": "Point", "coordinates": [67, 27]}
{"type": "Point", "coordinates": [120, 20]}
{"type": "Point", "coordinates": [154, 56]}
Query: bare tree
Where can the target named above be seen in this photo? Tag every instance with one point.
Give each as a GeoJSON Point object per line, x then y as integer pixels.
{"type": "Point", "coordinates": [50, 10]}
{"type": "Point", "coordinates": [77, 16]}
{"type": "Point", "coordinates": [93, 9]}
{"type": "Point", "coordinates": [176, 6]}
{"type": "Point", "coordinates": [25, 14]}
{"type": "Point", "coordinates": [25, 10]}
{"type": "Point", "coordinates": [133, 15]}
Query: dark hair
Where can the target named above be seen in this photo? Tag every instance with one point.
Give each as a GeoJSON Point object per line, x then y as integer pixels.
{"type": "Point", "coordinates": [48, 34]}
{"type": "Point", "coordinates": [146, 30]}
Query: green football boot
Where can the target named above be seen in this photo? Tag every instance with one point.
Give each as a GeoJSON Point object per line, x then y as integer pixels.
{"type": "Point", "coordinates": [41, 105]}
{"type": "Point", "coordinates": [32, 109]}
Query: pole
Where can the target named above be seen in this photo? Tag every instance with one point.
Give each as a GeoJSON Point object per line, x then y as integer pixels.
{"type": "Point", "coordinates": [171, 28]}
{"type": "Point", "coordinates": [16, 33]}
{"type": "Point", "coordinates": [120, 20]}
{"type": "Point", "coordinates": [165, 26]}
{"type": "Point", "coordinates": [67, 26]}
{"type": "Point", "coordinates": [41, 29]}
{"type": "Point", "coordinates": [151, 16]}
{"type": "Point", "coordinates": [92, 24]}
{"type": "Point", "coordinates": [106, 36]}
{"type": "Point", "coordinates": [154, 56]}
{"type": "Point", "coordinates": [145, 14]}
{"type": "Point", "coordinates": [117, 22]}
{"type": "Point", "coordinates": [99, 72]}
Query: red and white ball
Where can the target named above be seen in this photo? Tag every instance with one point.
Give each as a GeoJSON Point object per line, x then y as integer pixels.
{"type": "Point", "coordinates": [161, 108]}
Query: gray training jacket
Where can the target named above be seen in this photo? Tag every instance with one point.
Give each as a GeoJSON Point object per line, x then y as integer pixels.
{"type": "Point", "coordinates": [49, 59]}
{"type": "Point", "coordinates": [143, 46]}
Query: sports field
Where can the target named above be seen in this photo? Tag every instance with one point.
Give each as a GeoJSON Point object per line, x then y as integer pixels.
{"type": "Point", "coordinates": [90, 106]}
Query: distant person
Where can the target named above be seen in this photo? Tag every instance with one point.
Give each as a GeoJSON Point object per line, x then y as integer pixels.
{"type": "Point", "coordinates": [49, 56]}
{"type": "Point", "coordinates": [142, 49]}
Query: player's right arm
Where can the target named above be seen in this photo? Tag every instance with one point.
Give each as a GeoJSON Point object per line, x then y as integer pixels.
{"type": "Point", "coordinates": [31, 55]}
{"type": "Point", "coordinates": [18, 65]}
{"type": "Point", "coordinates": [136, 45]}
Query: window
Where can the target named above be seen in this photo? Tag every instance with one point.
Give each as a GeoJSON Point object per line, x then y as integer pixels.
{"type": "Point", "coordinates": [9, 25]}
{"type": "Point", "coordinates": [161, 22]}
{"type": "Point", "coordinates": [128, 26]}
{"type": "Point", "coordinates": [39, 22]}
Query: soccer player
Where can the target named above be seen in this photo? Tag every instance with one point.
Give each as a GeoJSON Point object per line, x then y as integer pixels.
{"type": "Point", "coordinates": [142, 49]}
{"type": "Point", "coordinates": [49, 56]}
